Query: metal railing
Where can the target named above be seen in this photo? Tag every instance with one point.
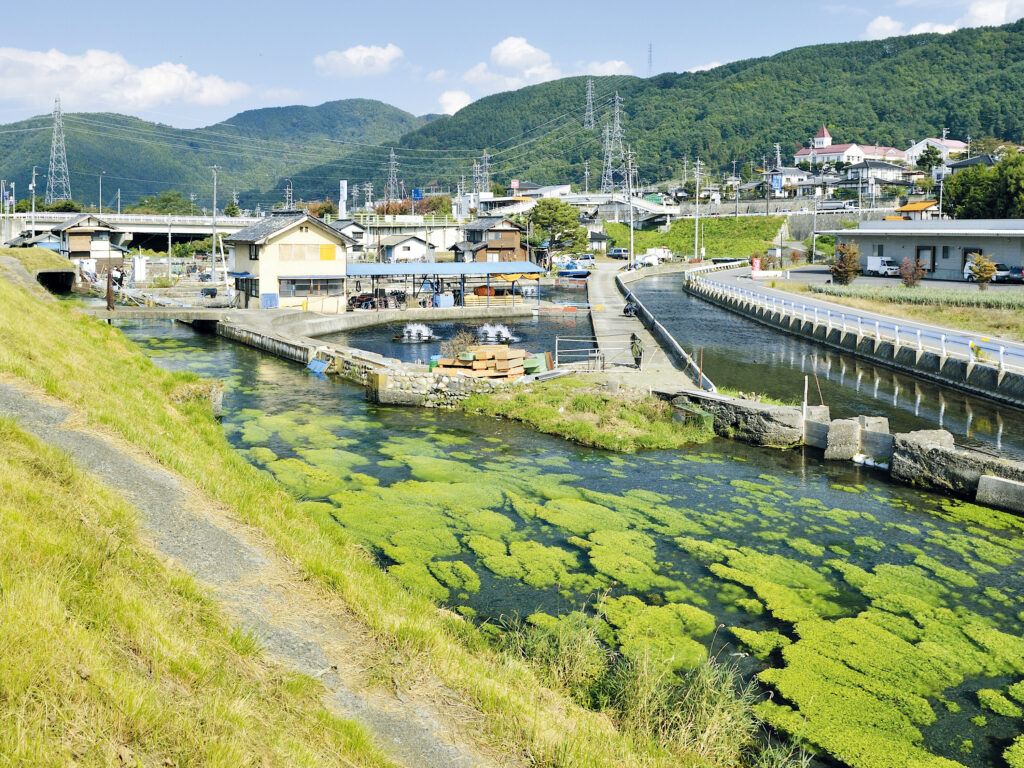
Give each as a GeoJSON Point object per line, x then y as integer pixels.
{"type": "Point", "coordinates": [584, 353]}
{"type": "Point", "coordinates": [965, 346]}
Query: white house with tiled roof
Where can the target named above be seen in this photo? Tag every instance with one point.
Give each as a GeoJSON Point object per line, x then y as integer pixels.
{"type": "Point", "coordinates": [822, 151]}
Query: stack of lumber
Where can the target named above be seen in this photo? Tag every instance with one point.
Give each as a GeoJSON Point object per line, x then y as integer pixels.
{"type": "Point", "coordinates": [492, 361]}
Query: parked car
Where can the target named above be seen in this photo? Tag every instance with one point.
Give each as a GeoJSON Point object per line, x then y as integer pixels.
{"type": "Point", "coordinates": [1002, 273]}
{"type": "Point", "coordinates": [585, 259]}
{"type": "Point", "coordinates": [879, 265]}
{"type": "Point", "coordinates": [618, 253]}
{"type": "Point", "coordinates": [1016, 275]}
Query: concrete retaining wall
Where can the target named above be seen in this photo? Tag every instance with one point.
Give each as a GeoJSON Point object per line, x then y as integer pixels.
{"type": "Point", "coordinates": [980, 379]}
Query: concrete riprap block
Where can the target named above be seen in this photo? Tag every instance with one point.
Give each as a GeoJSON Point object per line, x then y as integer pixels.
{"type": "Point", "coordinates": [843, 440]}
{"type": "Point", "coordinates": [999, 492]}
{"type": "Point", "coordinates": [874, 423]}
{"type": "Point", "coordinates": [818, 413]}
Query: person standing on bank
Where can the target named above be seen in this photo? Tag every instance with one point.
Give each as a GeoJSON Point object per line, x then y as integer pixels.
{"type": "Point", "coordinates": [636, 347]}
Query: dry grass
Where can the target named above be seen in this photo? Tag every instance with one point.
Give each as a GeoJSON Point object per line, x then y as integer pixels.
{"type": "Point", "coordinates": [984, 321]}
{"type": "Point", "coordinates": [146, 670]}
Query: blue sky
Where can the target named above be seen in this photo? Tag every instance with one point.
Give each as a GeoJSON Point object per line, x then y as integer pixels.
{"type": "Point", "coordinates": [194, 63]}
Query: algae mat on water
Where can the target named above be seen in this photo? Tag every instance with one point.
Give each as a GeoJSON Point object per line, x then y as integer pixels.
{"type": "Point", "coordinates": [886, 622]}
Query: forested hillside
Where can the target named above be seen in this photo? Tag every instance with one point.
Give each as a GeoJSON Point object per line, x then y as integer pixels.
{"type": "Point", "coordinates": [889, 91]}
{"type": "Point", "coordinates": [255, 150]}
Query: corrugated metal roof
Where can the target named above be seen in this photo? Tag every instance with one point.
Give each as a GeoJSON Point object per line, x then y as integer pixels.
{"type": "Point", "coordinates": [263, 228]}
{"type": "Point", "coordinates": [467, 268]}
{"type": "Point", "coordinates": [920, 205]}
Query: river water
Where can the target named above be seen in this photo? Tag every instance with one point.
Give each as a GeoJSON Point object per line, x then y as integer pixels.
{"type": "Point", "coordinates": [741, 354]}
{"type": "Point", "coordinates": [861, 578]}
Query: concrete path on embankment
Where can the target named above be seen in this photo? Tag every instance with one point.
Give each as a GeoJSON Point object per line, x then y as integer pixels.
{"type": "Point", "coordinates": [957, 340]}
{"type": "Point", "coordinates": [423, 726]}
{"type": "Point", "coordinates": [613, 329]}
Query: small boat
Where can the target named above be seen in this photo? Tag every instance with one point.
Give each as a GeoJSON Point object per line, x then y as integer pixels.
{"type": "Point", "coordinates": [572, 269]}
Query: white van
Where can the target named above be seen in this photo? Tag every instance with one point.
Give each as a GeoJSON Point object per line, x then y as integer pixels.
{"type": "Point", "coordinates": [879, 265]}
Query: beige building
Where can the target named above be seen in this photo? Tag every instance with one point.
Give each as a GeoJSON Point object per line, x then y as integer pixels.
{"type": "Point", "coordinates": [287, 258]}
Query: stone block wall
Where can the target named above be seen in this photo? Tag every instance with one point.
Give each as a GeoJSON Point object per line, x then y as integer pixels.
{"type": "Point", "coordinates": [416, 385]}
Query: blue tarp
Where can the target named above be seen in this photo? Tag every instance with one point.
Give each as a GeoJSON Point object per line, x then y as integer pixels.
{"type": "Point", "coordinates": [317, 366]}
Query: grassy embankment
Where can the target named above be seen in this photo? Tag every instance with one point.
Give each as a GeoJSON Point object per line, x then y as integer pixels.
{"type": "Point", "coordinates": [723, 237]}
{"type": "Point", "coordinates": [109, 657]}
{"type": "Point", "coordinates": [579, 409]}
{"type": "Point", "coordinates": [93, 368]}
{"type": "Point", "coordinates": [38, 259]}
{"type": "Point", "coordinates": [995, 313]}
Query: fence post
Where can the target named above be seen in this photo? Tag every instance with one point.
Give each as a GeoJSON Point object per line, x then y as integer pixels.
{"type": "Point", "coordinates": [942, 340]}
{"type": "Point", "coordinates": [1002, 360]}
{"type": "Point", "coordinates": [920, 347]}
{"type": "Point", "coordinates": [860, 327]}
{"type": "Point", "coordinates": [878, 331]}
{"type": "Point", "coordinates": [896, 335]}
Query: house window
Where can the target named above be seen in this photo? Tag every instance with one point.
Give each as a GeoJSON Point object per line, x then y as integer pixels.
{"type": "Point", "coordinates": [926, 257]}
{"type": "Point", "coordinates": [313, 286]}
{"type": "Point", "coordinates": [879, 250]}
{"type": "Point", "coordinates": [254, 252]}
{"type": "Point", "coordinates": [945, 251]}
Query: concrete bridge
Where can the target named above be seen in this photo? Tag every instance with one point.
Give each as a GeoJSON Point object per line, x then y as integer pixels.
{"type": "Point", "coordinates": [135, 226]}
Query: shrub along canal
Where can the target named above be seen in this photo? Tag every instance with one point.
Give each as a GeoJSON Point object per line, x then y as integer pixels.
{"type": "Point", "coordinates": [888, 621]}
{"type": "Point", "coordinates": [741, 354]}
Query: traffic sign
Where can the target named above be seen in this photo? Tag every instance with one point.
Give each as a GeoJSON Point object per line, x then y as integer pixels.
{"type": "Point", "coordinates": [417, 194]}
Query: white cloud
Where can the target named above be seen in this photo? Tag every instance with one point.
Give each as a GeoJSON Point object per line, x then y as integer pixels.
{"type": "Point", "coordinates": [883, 26]}
{"type": "Point", "coordinates": [358, 61]}
{"type": "Point", "coordinates": [437, 75]}
{"type": "Point", "coordinates": [452, 101]}
{"type": "Point", "coordinates": [706, 67]}
{"type": "Point", "coordinates": [979, 13]}
{"type": "Point", "coordinates": [101, 78]}
{"type": "Point", "coordinates": [601, 68]}
{"type": "Point", "coordinates": [516, 53]}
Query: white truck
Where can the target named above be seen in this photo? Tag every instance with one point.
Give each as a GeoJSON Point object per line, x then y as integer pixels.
{"type": "Point", "coordinates": [881, 266]}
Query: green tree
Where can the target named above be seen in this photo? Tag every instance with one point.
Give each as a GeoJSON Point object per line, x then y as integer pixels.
{"type": "Point", "coordinates": [927, 185]}
{"type": "Point", "coordinates": [846, 266]}
{"type": "Point", "coordinates": [1009, 194]}
{"type": "Point", "coordinates": [930, 158]}
{"type": "Point", "coordinates": [971, 193]}
{"type": "Point", "coordinates": [170, 201]}
{"type": "Point", "coordinates": [231, 209]}
{"type": "Point", "coordinates": [64, 206]}
{"type": "Point", "coordinates": [558, 224]}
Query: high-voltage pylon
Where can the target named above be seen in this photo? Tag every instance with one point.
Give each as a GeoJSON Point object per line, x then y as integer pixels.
{"type": "Point", "coordinates": [368, 195]}
{"type": "Point", "coordinates": [482, 174]}
{"type": "Point", "coordinates": [588, 117]}
{"type": "Point", "coordinates": [391, 191]}
{"type": "Point", "coordinates": [58, 182]}
{"type": "Point", "coordinates": [613, 175]}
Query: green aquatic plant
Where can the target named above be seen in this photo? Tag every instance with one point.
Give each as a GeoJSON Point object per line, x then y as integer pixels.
{"type": "Point", "coordinates": [455, 574]}
{"type": "Point", "coordinates": [761, 644]}
{"type": "Point", "coordinates": [580, 517]}
{"type": "Point", "coordinates": [1014, 754]}
{"type": "Point", "coordinates": [1016, 691]}
{"type": "Point", "coordinates": [662, 634]}
{"type": "Point", "coordinates": [417, 577]}
{"type": "Point", "coordinates": [995, 702]}
{"type": "Point", "coordinates": [980, 720]}
{"type": "Point", "coordinates": [626, 557]}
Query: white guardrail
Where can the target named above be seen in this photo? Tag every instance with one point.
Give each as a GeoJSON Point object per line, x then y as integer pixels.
{"type": "Point", "coordinates": [965, 346]}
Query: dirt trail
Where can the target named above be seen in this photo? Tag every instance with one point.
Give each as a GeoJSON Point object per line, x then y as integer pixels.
{"type": "Point", "coordinates": [425, 726]}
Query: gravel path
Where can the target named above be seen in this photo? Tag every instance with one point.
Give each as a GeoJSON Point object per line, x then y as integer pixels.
{"type": "Point", "coordinates": [295, 623]}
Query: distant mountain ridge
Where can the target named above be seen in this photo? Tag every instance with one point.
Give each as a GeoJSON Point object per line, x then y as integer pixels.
{"type": "Point", "coordinates": [887, 92]}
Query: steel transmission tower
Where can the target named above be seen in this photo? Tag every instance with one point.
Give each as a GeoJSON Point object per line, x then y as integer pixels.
{"type": "Point", "coordinates": [391, 191]}
{"type": "Point", "coordinates": [368, 195]}
{"type": "Point", "coordinates": [614, 153]}
{"type": "Point", "coordinates": [588, 118]}
{"type": "Point", "coordinates": [482, 174]}
{"type": "Point", "coordinates": [58, 182]}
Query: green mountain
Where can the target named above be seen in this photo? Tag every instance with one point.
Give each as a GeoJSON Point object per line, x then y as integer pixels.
{"type": "Point", "coordinates": [889, 92]}
{"type": "Point", "coordinates": [255, 150]}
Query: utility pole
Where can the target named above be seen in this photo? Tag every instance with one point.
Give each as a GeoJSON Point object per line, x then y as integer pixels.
{"type": "Point", "coordinates": [586, 177]}
{"type": "Point", "coordinates": [213, 249]}
{"type": "Point", "coordinates": [168, 247]}
{"type": "Point", "coordinates": [942, 171]}
{"type": "Point", "coordinates": [696, 200]}
{"type": "Point", "coordinates": [767, 182]}
{"type": "Point", "coordinates": [32, 192]}
{"type": "Point", "coordinates": [735, 190]}
{"type": "Point", "coordinates": [629, 186]}
{"type": "Point", "coordinates": [118, 201]}
{"type": "Point", "coordinates": [99, 207]}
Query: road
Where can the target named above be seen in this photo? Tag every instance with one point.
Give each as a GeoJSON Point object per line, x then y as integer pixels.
{"type": "Point", "coordinates": [948, 341]}
{"type": "Point", "coordinates": [819, 274]}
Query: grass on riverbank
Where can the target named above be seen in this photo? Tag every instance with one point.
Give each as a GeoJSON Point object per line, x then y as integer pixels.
{"type": "Point", "coordinates": [93, 368]}
{"type": "Point", "coordinates": [987, 314]}
{"type": "Point", "coordinates": [109, 657]}
{"type": "Point", "coordinates": [580, 409]}
{"type": "Point", "coordinates": [723, 237]}
{"type": "Point", "coordinates": [38, 259]}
